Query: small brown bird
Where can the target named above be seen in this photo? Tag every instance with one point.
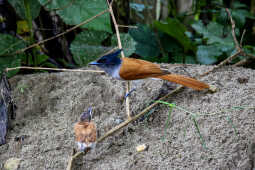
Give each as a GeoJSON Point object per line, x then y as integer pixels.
{"type": "Point", "coordinates": [85, 131]}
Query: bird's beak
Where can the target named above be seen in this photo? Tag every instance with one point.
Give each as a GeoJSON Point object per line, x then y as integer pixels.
{"type": "Point", "coordinates": [94, 63]}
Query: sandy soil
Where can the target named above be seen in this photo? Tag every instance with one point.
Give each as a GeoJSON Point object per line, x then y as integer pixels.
{"type": "Point", "coordinates": [50, 103]}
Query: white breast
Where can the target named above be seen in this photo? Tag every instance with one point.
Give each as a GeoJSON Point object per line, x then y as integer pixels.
{"type": "Point", "coordinates": [115, 73]}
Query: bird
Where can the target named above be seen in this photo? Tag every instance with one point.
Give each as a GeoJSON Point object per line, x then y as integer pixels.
{"type": "Point", "coordinates": [134, 69]}
{"type": "Point", "coordinates": [85, 131]}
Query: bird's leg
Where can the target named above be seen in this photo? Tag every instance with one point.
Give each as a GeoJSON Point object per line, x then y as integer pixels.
{"type": "Point", "coordinates": [133, 89]}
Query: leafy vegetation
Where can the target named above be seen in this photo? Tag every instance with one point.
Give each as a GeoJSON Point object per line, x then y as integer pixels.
{"type": "Point", "coordinates": [201, 34]}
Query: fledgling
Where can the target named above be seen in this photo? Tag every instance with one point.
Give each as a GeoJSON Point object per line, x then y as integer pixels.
{"type": "Point", "coordinates": [85, 131]}
{"type": "Point", "coordinates": [134, 69]}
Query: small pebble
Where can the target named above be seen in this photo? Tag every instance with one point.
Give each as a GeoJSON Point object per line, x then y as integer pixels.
{"type": "Point", "coordinates": [141, 148]}
{"type": "Point", "coordinates": [12, 164]}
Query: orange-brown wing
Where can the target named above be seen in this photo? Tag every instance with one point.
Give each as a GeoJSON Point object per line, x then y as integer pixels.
{"type": "Point", "coordinates": [85, 132]}
{"type": "Point", "coordinates": [133, 69]}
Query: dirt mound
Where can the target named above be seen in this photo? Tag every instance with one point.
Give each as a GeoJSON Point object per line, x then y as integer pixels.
{"type": "Point", "coordinates": [50, 103]}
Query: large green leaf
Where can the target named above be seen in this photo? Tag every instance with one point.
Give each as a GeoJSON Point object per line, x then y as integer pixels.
{"type": "Point", "coordinates": [74, 12]}
{"type": "Point", "coordinates": [176, 30]}
{"type": "Point", "coordinates": [208, 54]}
{"type": "Point", "coordinates": [213, 33]}
{"type": "Point", "coordinates": [33, 7]}
{"type": "Point", "coordinates": [239, 16]}
{"type": "Point", "coordinates": [87, 46]}
{"type": "Point", "coordinates": [128, 43]}
{"type": "Point", "coordinates": [147, 45]}
{"type": "Point", "coordinates": [8, 46]}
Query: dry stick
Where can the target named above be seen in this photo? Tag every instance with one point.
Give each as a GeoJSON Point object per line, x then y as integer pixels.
{"type": "Point", "coordinates": [242, 62]}
{"type": "Point", "coordinates": [249, 55]}
{"type": "Point", "coordinates": [63, 33]}
{"type": "Point", "coordinates": [241, 41]}
{"type": "Point", "coordinates": [53, 69]}
{"type": "Point", "coordinates": [60, 69]}
{"type": "Point", "coordinates": [63, 7]}
{"type": "Point", "coordinates": [233, 30]}
{"type": "Point", "coordinates": [127, 26]}
{"type": "Point", "coordinates": [70, 161]}
{"type": "Point", "coordinates": [122, 54]}
{"type": "Point", "coordinates": [108, 52]}
{"type": "Point", "coordinates": [246, 60]}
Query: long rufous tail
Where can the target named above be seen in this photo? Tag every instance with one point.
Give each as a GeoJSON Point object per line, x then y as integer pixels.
{"type": "Point", "coordinates": [185, 81]}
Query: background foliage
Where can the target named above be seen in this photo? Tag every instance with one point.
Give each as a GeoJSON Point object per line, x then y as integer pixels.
{"type": "Point", "coordinates": [172, 32]}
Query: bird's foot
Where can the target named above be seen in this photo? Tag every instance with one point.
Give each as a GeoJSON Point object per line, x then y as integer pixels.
{"type": "Point", "coordinates": [129, 93]}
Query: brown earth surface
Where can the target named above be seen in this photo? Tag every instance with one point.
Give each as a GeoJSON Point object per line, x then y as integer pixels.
{"type": "Point", "coordinates": [50, 103]}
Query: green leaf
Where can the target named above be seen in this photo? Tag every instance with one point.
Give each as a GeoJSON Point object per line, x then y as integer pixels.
{"type": "Point", "coordinates": [87, 46]}
{"type": "Point", "coordinates": [40, 59]}
{"type": "Point", "coordinates": [74, 12]}
{"type": "Point", "coordinates": [146, 43]}
{"type": "Point", "coordinates": [239, 16]}
{"type": "Point", "coordinates": [169, 44]}
{"type": "Point", "coordinates": [8, 46]}
{"type": "Point", "coordinates": [213, 33]}
{"type": "Point", "coordinates": [239, 5]}
{"type": "Point", "coordinates": [222, 18]}
{"type": "Point", "coordinates": [178, 58]}
{"type": "Point", "coordinates": [176, 30]}
{"type": "Point", "coordinates": [208, 54]}
{"type": "Point", "coordinates": [128, 43]}
{"type": "Point", "coordinates": [20, 8]}
{"type": "Point", "coordinates": [190, 60]}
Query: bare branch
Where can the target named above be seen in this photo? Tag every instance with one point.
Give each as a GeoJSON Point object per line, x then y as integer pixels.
{"type": "Point", "coordinates": [241, 41]}
{"type": "Point", "coordinates": [127, 26]}
{"type": "Point", "coordinates": [53, 69]}
{"type": "Point", "coordinates": [233, 30]}
{"type": "Point", "coordinates": [73, 157]}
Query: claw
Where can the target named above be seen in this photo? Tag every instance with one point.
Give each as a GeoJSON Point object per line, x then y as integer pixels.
{"type": "Point", "coordinates": [129, 93]}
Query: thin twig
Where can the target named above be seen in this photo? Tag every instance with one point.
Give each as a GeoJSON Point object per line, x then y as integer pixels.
{"type": "Point", "coordinates": [245, 60]}
{"type": "Point", "coordinates": [53, 69]}
{"type": "Point", "coordinates": [249, 55]}
{"type": "Point", "coordinates": [242, 62]}
{"type": "Point", "coordinates": [127, 26]}
{"type": "Point", "coordinates": [63, 33]}
{"type": "Point", "coordinates": [233, 30]}
{"type": "Point", "coordinates": [62, 7]}
{"type": "Point", "coordinates": [222, 63]}
{"type": "Point", "coordinates": [73, 157]}
{"type": "Point", "coordinates": [122, 54]}
{"type": "Point", "coordinates": [60, 69]}
{"type": "Point", "coordinates": [108, 52]}
{"type": "Point", "coordinates": [241, 41]}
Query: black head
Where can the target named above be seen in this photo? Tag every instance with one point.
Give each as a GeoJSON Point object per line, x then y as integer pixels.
{"type": "Point", "coordinates": [86, 115]}
{"type": "Point", "coordinates": [111, 59]}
